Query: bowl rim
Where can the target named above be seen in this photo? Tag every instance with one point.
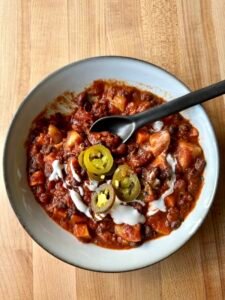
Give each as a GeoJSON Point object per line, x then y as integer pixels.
{"type": "Point", "coordinates": [26, 99]}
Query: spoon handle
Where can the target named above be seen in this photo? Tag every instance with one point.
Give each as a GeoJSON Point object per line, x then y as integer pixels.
{"type": "Point", "coordinates": [179, 104]}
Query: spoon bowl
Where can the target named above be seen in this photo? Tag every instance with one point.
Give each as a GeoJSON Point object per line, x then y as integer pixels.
{"type": "Point", "coordinates": [122, 126]}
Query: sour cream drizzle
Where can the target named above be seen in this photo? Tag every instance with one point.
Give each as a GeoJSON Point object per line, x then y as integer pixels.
{"type": "Point", "coordinates": [79, 203]}
{"type": "Point", "coordinates": [159, 204]}
{"type": "Point", "coordinates": [92, 185]}
{"type": "Point", "coordinates": [81, 191]}
{"type": "Point", "coordinates": [57, 171]}
{"type": "Point", "coordinates": [74, 173]}
{"type": "Point", "coordinates": [120, 213]}
{"type": "Point", "coordinates": [125, 214]}
{"type": "Point", "coordinates": [75, 196]}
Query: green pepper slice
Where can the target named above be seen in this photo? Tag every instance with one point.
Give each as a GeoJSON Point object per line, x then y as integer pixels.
{"type": "Point", "coordinates": [103, 199]}
{"type": "Point", "coordinates": [126, 183]}
{"type": "Point", "coordinates": [98, 159]}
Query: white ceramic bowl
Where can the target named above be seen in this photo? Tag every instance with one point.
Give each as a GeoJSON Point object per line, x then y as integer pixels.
{"type": "Point", "coordinates": [47, 233]}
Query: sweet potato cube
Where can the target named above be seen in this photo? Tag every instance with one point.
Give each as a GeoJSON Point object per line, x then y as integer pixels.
{"type": "Point", "coordinates": [37, 178]}
{"type": "Point", "coordinates": [128, 232]}
{"type": "Point", "coordinates": [73, 138]}
{"type": "Point", "coordinates": [41, 139]}
{"type": "Point", "coordinates": [170, 200]}
{"type": "Point", "coordinates": [76, 219]}
{"type": "Point", "coordinates": [142, 136]}
{"type": "Point", "coordinates": [159, 142]}
{"type": "Point", "coordinates": [158, 223]}
{"type": "Point", "coordinates": [186, 153]}
{"type": "Point", "coordinates": [55, 134]}
{"type": "Point", "coordinates": [50, 158]}
{"type": "Point", "coordinates": [119, 102]}
{"type": "Point", "coordinates": [160, 162]}
{"type": "Point", "coordinates": [81, 232]}
{"type": "Point", "coordinates": [59, 214]}
{"type": "Point", "coordinates": [193, 132]}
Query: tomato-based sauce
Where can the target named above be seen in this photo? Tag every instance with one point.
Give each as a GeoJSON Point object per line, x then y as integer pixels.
{"type": "Point", "coordinates": [103, 191]}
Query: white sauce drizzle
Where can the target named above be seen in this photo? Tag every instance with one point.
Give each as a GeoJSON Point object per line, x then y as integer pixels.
{"type": "Point", "coordinates": [57, 171]}
{"type": "Point", "coordinates": [81, 191]}
{"type": "Point", "coordinates": [75, 196]}
{"type": "Point", "coordinates": [159, 204]}
{"type": "Point", "coordinates": [100, 217]}
{"type": "Point", "coordinates": [66, 183]}
{"type": "Point", "coordinates": [119, 212]}
{"type": "Point", "coordinates": [157, 126]}
{"type": "Point", "coordinates": [126, 214]}
{"type": "Point", "coordinates": [74, 173]}
{"type": "Point", "coordinates": [92, 185]}
{"type": "Point", "coordinates": [79, 204]}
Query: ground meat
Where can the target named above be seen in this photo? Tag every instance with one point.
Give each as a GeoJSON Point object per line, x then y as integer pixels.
{"type": "Point", "coordinates": [81, 98]}
{"type": "Point", "coordinates": [143, 106]}
{"type": "Point", "coordinates": [180, 186]}
{"type": "Point", "coordinates": [184, 198]}
{"type": "Point", "coordinates": [173, 217]}
{"type": "Point", "coordinates": [200, 165]}
{"type": "Point", "coordinates": [184, 209]}
{"type": "Point", "coordinates": [60, 195]}
{"type": "Point", "coordinates": [194, 180]}
{"type": "Point", "coordinates": [36, 162]}
{"type": "Point", "coordinates": [58, 120]}
{"type": "Point", "coordinates": [139, 158]}
{"type": "Point", "coordinates": [83, 117]}
{"type": "Point", "coordinates": [150, 175]}
{"type": "Point", "coordinates": [193, 186]}
{"type": "Point", "coordinates": [97, 88]}
{"type": "Point", "coordinates": [44, 198]}
{"type": "Point", "coordinates": [165, 174]}
{"type": "Point", "coordinates": [148, 193]}
{"type": "Point", "coordinates": [147, 97]}
{"type": "Point", "coordinates": [106, 138]}
{"type": "Point", "coordinates": [131, 108]}
{"type": "Point", "coordinates": [100, 109]}
{"type": "Point", "coordinates": [87, 195]}
{"type": "Point", "coordinates": [183, 131]}
{"type": "Point", "coordinates": [172, 130]}
{"type": "Point", "coordinates": [106, 225]}
{"type": "Point", "coordinates": [148, 232]}
{"type": "Point", "coordinates": [120, 150]}
{"type": "Point", "coordinates": [71, 211]}
{"type": "Point", "coordinates": [120, 160]}
{"type": "Point", "coordinates": [46, 149]}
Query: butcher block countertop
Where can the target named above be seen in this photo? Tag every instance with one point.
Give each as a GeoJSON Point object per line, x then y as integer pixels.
{"type": "Point", "coordinates": [186, 38]}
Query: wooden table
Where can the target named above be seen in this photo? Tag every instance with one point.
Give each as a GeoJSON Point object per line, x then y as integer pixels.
{"type": "Point", "coordinates": [186, 38]}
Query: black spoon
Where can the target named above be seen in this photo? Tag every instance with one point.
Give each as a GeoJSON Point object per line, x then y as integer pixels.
{"type": "Point", "coordinates": [125, 126]}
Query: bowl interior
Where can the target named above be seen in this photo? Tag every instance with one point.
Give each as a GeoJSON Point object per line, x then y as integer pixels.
{"type": "Point", "coordinates": [75, 77]}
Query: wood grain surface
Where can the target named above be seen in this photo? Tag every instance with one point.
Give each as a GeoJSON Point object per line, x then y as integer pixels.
{"type": "Point", "coordinates": [185, 37]}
